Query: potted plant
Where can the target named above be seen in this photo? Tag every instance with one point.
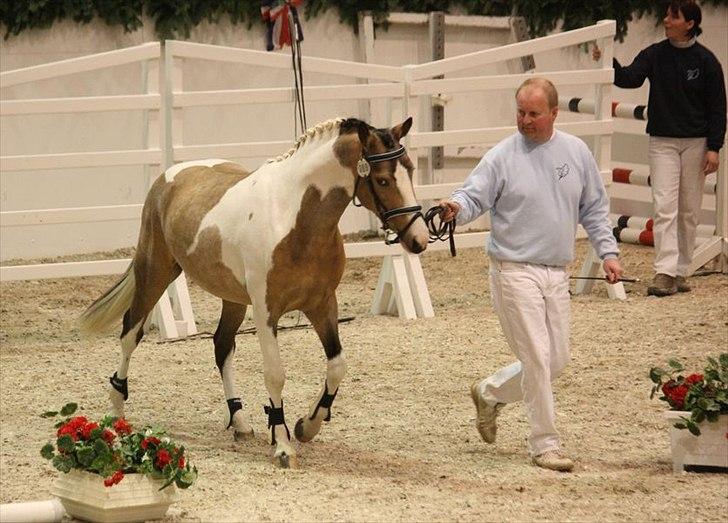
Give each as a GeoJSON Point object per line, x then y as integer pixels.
{"type": "Point", "coordinates": [698, 411]}
{"type": "Point", "coordinates": [112, 472]}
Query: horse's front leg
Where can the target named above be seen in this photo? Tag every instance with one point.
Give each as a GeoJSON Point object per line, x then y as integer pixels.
{"type": "Point", "coordinates": [324, 319]}
{"type": "Point", "coordinates": [275, 378]}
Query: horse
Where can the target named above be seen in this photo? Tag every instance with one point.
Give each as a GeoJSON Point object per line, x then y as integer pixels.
{"type": "Point", "coordinates": [269, 239]}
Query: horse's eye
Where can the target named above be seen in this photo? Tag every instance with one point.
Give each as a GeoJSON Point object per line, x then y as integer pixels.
{"type": "Point", "coordinates": [383, 182]}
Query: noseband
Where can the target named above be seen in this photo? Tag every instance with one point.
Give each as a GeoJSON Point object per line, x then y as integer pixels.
{"type": "Point", "coordinates": [363, 170]}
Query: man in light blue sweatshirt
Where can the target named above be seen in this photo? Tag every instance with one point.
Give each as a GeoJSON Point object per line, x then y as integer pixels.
{"type": "Point", "coordinates": [538, 185]}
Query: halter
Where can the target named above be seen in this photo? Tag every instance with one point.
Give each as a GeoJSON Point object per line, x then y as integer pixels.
{"type": "Point", "coordinates": [363, 170]}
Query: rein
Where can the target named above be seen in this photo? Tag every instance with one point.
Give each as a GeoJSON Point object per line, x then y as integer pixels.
{"type": "Point", "coordinates": [363, 170]}
{"type": "Point", "coordinates": [444, 231]}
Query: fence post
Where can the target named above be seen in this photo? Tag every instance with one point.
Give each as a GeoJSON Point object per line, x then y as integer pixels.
{"type": "Point", "coordinates": [603, 155]}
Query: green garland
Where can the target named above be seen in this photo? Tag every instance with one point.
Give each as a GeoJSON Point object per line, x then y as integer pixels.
{"type": "Point", "coordinates": [176, 18]}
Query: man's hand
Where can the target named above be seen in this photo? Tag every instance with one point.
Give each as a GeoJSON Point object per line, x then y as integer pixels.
{"type": "Point", "coordinates": [710, 162]}
{"type": "Point", "coordinates": [613, 270]}
{"type": "Point", "coordinates": [449, 210]}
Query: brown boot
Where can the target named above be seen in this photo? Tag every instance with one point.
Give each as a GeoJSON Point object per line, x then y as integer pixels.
{"type": "Point", "coordinates": [682, 284]}
{"type": "Point", "coordinates": [486, 414]}
{"type": "Point", "coordinates": [662, 285]}
{"type": "Point", "coordinates": [554, 460]}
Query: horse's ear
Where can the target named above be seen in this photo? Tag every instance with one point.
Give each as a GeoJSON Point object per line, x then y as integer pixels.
{"type": "Point", "coordinates": [363, 131]}
{"type": "Point", "coordinates": [401, 130]}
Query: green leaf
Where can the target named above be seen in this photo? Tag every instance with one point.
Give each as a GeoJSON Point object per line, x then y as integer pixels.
{"type": "Point", "coordinates": [69, 408]}
{"type": "Point", "coordinates": [656, 375]}
{"type": "Point", "coordinates": [186, 478]}
{"type": "Point", "coordinates": [85, 456]}
{"type": "Point", "coordinates": [63, 463]}
{"type": "Point", "coordinates": [49, 414]}
{"type": "Point", "coordinates": [47, 451]}
{"type": "Point", "coordinates": [674, 364]}
{"type": "Point", "coordinates": [693, 428]}
{"type": "Point", "coordinates": [65, 443]}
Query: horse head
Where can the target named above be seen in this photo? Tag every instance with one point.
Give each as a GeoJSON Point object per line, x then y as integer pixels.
{"type": "Point", "coordinates": [383, 178]}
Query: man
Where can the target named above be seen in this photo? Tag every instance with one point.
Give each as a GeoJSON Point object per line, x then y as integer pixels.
{"type": "Point", "coordinates": [687, 123]}
{"type": "Point", "coordinates": [538, 184]}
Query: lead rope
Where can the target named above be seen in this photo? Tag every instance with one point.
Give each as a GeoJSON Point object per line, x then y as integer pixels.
{"type": "Point", "coordinates": [444, 231]}
{"type": "Point", "coordinates": [296, 35]}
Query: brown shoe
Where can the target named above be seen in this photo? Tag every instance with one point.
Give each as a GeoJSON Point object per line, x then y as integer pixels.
{"type": "Point", "coordinates": [682, 284]}
{"type": "Point", "coordinates": [554, 460]}
{"type": "Point", "coordinates": [662, 285]}
{"type": "Point", "coordinates": [486, 414]}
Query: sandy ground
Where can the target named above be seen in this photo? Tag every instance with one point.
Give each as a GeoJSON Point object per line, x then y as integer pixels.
{"type": "Point", "coordinates": [401, 445]}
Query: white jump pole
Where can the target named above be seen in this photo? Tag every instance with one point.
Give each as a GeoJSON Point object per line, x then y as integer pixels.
{"type": "Point", "coordinates": [48, 511]}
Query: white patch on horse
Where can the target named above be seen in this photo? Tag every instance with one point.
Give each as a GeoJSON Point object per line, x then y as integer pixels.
{"type": "Point", "coordinates": [405, 186]}
{"type": "Point", "coordinates": [286, 175]}
{"type": "Point", "coordinates": [173, 171]}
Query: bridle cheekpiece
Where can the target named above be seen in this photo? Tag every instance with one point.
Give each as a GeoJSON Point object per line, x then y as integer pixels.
{"type": "Point", "coordinates": [363, 170]}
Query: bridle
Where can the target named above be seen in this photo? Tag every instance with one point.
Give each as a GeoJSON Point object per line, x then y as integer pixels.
{"type": "Point", "coordinates": [363, 170]}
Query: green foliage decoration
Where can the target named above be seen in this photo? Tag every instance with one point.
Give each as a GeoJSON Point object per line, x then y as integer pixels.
{"type": "Point", "coordinates": [176, 18]}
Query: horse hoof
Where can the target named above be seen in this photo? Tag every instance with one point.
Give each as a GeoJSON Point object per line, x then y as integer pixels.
{"type": "Point", "coordinates": [239, 435]}
{"type": "Point", "coordinates": [286, 461]}
{"type": "Point", "coordinates": [298, 432]}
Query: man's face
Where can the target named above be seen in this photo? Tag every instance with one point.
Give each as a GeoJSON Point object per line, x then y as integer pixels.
{"type": "Point", "coordinates": [535, 119]}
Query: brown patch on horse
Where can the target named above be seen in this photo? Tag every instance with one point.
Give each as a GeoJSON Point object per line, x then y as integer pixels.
{"type": "Point", "coordinates": [184, 203]}
{"type": "Point", "coordinates": [309, 260]}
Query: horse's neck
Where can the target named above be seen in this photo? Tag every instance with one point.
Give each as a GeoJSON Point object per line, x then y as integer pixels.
{"type": "Point", "coordinates": [316, 166]}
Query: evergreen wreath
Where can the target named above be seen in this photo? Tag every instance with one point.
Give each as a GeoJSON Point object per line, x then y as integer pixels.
{"type": "Point", "coordinates": [176, 18]}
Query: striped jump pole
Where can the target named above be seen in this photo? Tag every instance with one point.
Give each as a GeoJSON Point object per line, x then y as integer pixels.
{"type": "Point", "coordinates": [638, 230]}
{"type": "Point", "coordinates": [632, 177]}
{"type": "Point", "coordinates": [619, 109]}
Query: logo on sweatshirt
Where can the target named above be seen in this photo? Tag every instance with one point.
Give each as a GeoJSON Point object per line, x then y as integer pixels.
{"type": "Point", "coordinates": [562, 171]}
{"type": "Point", "coordinates": [693, 74]}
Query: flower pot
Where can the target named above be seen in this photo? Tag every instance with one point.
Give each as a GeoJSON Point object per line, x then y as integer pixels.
{"type": "Point", "coordinates": [709, 449]}
{"type": "Point", "coordinates": [136, 498]}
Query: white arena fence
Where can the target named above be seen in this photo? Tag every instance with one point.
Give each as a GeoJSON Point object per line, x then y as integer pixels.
{"type": "Point", "coordinates": [402, 88]}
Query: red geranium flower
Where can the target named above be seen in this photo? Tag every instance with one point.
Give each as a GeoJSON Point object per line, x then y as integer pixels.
{"type": "Point", "coordinates": [108, 436]}
{"type": "Point", "coordinates": [67, 430]}
{"type": "Point", "coordinates": [146, 441]}
{"type": "Point", "coordinates": [163, 458]}
{"type": "Point", "coordinates": [693, 379]}
{"type": "Point", "coordinates": [181, 462]}
{"type": "Point", "coordinates": [122, 427]}
{"type": "Point", "coordinates": [87, 428]}
{"type": "Point", "coordinates": [115, 478]}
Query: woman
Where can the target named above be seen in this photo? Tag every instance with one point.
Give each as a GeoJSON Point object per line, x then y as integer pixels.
{"type": "Point", "coordinates": [686, 124]}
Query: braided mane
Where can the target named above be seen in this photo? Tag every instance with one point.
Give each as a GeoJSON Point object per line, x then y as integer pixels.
{"type": "Point", "coordinates": [316, 130]}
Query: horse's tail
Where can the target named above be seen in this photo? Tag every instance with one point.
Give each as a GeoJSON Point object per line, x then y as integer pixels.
{"type": "Point", "coordinates": [103, 314]}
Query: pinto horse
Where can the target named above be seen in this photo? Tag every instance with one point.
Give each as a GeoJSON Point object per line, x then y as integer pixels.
{"type": "Point", "coordinates": [269, 239]}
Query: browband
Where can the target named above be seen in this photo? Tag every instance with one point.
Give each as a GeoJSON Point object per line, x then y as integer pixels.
{"type": "Point", "coordinates": [389, 155]}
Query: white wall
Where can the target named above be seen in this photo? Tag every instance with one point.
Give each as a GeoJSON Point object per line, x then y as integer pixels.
{"type": "Point", "coordinates": [325, 37]}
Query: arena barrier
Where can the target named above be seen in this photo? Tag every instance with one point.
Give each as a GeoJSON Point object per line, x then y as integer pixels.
{"type": "Point", "coordinates": [410, 86]}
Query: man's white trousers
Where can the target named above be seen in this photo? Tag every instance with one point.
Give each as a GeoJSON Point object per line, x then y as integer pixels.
{"type": "Point", "coordinates": [532, 304]}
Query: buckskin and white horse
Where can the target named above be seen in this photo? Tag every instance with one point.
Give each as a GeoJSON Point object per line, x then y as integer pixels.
{"type": "Point", "coordinates": [269, 239]}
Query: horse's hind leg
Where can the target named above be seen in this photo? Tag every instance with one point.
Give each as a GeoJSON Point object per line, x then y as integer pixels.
{"type": "Point", "coordinates": [325, 320]}
{"type": "Point", "coordinates": [154, 270]}
{"type": "Point", "coordinates": [230, 319]}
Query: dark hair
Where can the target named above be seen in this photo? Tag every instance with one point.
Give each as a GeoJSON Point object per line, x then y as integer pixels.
{"type": "Point", "coordinates": [691, 12]}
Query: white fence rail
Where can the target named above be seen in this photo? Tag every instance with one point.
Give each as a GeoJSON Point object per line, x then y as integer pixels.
{"type": "Point", "coordinates": [402, 84]}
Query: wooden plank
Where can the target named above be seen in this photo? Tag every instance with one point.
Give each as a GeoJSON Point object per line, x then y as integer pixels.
{"type": "Point", "coordinates": [79, 65]}
{"type": "Point", "coordinates": [82, 104]}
